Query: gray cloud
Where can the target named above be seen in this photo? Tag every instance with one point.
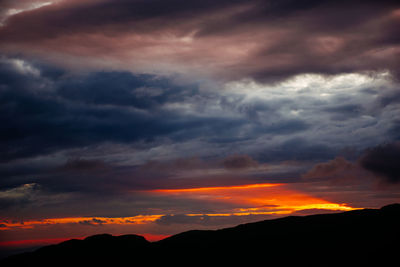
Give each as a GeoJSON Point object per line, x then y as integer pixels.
{"type": "Point", "coordinates": [383, 161]}
{"type": "Point", "coordinates": [18, 196]}
{"type": "Point", "coordinates": [380, 161]}
{"type": "Point", "coordinates": [335, 167]}
{"type": "Point", "coordinates": [239, 162]}
{"type": "Point", "coordinates": [344, 112]}
{"type": "Point", "coordinates": [46, 114]}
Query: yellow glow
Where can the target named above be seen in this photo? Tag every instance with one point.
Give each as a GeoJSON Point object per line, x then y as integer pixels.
{"type": "Point", "coordinates": [239, 213]}
{"type": "Point", "coordinates": [283, 210]}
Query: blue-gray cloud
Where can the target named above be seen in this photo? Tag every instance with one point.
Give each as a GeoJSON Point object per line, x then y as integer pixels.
{"type": "Point", "coordinates": [44, 114]}
{"type": "Point", "coordinates": [103, 135]}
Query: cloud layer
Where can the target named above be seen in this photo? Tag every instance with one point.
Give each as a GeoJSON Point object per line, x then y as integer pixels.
{"type": "Point", "coordinates": [109, 133]}
{"type": "Point", "coordinates": [383, 160]}
{"type": "Point", "coordinates": [264, 40]}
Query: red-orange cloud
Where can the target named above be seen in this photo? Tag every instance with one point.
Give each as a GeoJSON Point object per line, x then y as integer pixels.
{"type": "Point", "coordinates": [139, 219]}
{"type": "Point", "coordinates": [263, 198]}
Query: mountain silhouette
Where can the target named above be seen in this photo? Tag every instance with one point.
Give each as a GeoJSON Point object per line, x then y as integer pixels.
{"type": "Point", "coordinates": [368, 237]}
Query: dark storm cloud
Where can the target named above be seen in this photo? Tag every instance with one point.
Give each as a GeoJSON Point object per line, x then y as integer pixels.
{"type": "Point", "coordinates": [343, 112]}
{"type": "Point", "coordinates": [264, 40]}
{"type": "Point", "coordinates": [287, 127]}
{"type": "Point", "coordinates": [239, 162]}
{"type": "Point", "coordinates": [369, 180]}
{"type": "Point", "coordinates": [42, 115]}
{"type": "Point", "coordinates": [328, 37]}
{"type": "Point", "coordinates": [19, 196]}
{"type": "Point", "coordinates": [383, 161]}
{"type": "Point", "coordinates": [379, 163]}
{"type": "Point", "coordinates": [83, 165]}
{"type": "Point", "coordinates": [105, 136]}
{"type": "Point", "coordinates": [46, 111]}
{"type": "Point", "coordinates": [298, 149]}
{"type": "Point", "coordinates": [73, 175]}
{"type": "Point", "coordinates": [395, 130]}
{"type": "Point", "coordinates": [192, 163]}
{"type": "Point", "coordinates": [142, 91]}
{"type": "Point", "coordinates": [390, 98]}
{"type": "Point", "coordinates": [334, 167]}
{"type": "Point", "coordinates": [52, 20]}
{"type": "Point", "coordinates": [88, 16]}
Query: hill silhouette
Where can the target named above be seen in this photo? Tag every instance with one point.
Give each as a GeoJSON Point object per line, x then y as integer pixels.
{"type": "Point", "coordinates": [368, 237]}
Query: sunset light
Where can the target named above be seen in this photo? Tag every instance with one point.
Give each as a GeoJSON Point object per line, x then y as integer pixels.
{"type": "Point", "coordinates": [125, 119]}
{"type": "Point", "coordinates": [258, 198]}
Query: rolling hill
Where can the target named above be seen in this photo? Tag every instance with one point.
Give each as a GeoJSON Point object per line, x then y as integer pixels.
{"type": "Point", "coordinates": [368, 237]}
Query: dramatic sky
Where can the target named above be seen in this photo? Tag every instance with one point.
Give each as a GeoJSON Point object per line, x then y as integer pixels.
{"type": "Point", "coordinates": [154, 117]}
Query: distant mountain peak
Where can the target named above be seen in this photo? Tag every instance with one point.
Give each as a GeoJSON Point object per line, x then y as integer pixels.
{"type": "Point", "coordinates": [395, 207]}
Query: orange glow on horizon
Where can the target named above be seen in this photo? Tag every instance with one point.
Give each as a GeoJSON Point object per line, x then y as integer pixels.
{"type": "Point", "coordinates": [139, 219]}
{"type": "Point", "coordinates": [205, 189]}
{"type": "Point", "coordinates": [251, 199]}
{"type": "Point", "coordinates": [153, 237]}
{"type": "Point", "coordinates": [256, 199]}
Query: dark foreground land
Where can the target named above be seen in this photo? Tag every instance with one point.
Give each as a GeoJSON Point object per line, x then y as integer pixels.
{"type": "Point", "coordinates": [369, 237]}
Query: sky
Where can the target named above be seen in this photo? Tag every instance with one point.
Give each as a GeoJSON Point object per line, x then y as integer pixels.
{"type": "Point", "coordinates": [154, 117]}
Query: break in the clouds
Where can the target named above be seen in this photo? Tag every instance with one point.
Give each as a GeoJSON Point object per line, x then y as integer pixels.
{"type": "Point", "coordinates": [154, 117]}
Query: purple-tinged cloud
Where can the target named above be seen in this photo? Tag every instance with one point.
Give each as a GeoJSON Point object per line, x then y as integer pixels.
{"type": "Point", "coordinates": [229, 40]}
